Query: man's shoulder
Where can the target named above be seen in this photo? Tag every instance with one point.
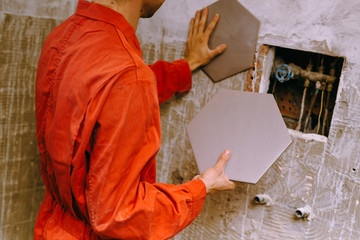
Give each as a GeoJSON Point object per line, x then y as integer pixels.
{"type": "Point", "coordinates": [92, 52]}
{"type": "Point", "coordinates": [97, 38]}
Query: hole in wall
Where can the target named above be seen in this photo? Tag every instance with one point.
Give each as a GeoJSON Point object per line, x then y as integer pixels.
{"type": "Point", "coordinates": [305, 86]}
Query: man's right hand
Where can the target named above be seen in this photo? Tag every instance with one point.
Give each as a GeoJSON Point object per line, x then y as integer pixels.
{"type": "Point", "coordinates": [214, 178]}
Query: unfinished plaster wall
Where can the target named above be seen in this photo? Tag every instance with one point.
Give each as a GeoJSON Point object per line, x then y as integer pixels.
{"type": "Point", "coordinates": [321, 173]}
{"type": "Point", "coordinates": [23, 28]}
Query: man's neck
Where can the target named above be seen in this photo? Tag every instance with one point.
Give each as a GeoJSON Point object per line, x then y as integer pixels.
{"type": "Point", "coordinates": [130, 9]}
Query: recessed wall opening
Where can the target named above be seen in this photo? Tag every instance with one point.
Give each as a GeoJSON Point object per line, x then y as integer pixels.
{"type": "Point", "coordinates": [305, 86]}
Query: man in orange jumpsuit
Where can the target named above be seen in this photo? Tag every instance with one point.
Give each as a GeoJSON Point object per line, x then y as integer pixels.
{"type": "Point", "coordinates": [98, 127]}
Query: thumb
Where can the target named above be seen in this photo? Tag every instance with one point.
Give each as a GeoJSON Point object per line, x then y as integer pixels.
{"type": "Point", "coordinates": [230, 185]}
{"type": "Point", "coordinates": [196, 177]}
{"type": "Point", "coordinates": [218, 50]}
{"type": "Point", "coordinates": [223, 160]}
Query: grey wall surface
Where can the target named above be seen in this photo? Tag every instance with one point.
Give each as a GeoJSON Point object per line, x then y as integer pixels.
{"type": "Point", "coordinates": [321, 173]}
{"type": "Point", "coordinates": [23, 28]}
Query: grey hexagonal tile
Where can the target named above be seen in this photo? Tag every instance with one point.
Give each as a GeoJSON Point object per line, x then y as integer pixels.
{"type": "Point", "coordinates": [249, 124]}
{"type": "Point", "coordinates": [239, 30]}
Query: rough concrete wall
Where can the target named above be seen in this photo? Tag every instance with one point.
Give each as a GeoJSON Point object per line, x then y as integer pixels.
{"type": "Point", "coordinates": [321, 173]}
{"type": "Point", "coordinates": [60, 9]}
{"type": "Point", "coordinates": [23, 28]}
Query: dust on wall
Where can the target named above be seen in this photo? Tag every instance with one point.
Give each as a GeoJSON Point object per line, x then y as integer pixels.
{"type": "Point", "coordinates": [322, 174]}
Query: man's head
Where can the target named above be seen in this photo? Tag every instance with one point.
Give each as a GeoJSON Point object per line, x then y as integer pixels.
{"type": "Point", "coordinates": [149, 7]}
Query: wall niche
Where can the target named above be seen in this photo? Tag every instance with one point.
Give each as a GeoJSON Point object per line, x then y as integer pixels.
{"type": "Point", "coordinates": [305, 85]}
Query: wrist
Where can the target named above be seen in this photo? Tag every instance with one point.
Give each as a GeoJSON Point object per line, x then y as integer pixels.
{"type": "Point", "coordinates": [193, 65]}
{"type": "Point", "coordinates": [207, 188]}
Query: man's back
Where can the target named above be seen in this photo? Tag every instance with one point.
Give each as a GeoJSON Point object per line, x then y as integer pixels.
{"type": "Point", "coordinates": [99, 131]}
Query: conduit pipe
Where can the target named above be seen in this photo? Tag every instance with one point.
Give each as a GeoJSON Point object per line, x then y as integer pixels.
{"type": "Point", "coordinates": [306, 86]}
{"type": "Point", "coordinates": [303, 212]}
{"type": "Point", "coordinates": [298, 72]}
{"type": "Point", "coordinates": [328, 89]}
{"type": "Point", "coordinates": [317, 89]}
{"type": "Point", "coordinates": [262, 199]}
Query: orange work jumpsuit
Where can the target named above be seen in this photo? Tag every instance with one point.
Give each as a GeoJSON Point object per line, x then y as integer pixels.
{"type": "Point", "coordinates": [98, 130]}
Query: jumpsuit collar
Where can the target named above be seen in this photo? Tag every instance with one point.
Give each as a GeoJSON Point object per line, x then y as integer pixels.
{"type": "Point", "coordinates": [100, 13]}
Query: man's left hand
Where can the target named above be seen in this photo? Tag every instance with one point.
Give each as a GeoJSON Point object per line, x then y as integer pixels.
{"type": "Point", "coordinates": [198, 52]}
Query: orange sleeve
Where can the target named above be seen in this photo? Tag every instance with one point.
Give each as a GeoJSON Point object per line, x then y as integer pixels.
{"type": "Point", "coordinates": [120, 203]}
{"type": "Point", "coordinates": [172, 78]}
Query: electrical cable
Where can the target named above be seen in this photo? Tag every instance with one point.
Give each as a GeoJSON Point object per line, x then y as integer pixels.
{"type": "Point", "coordinates": [321, 108]}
